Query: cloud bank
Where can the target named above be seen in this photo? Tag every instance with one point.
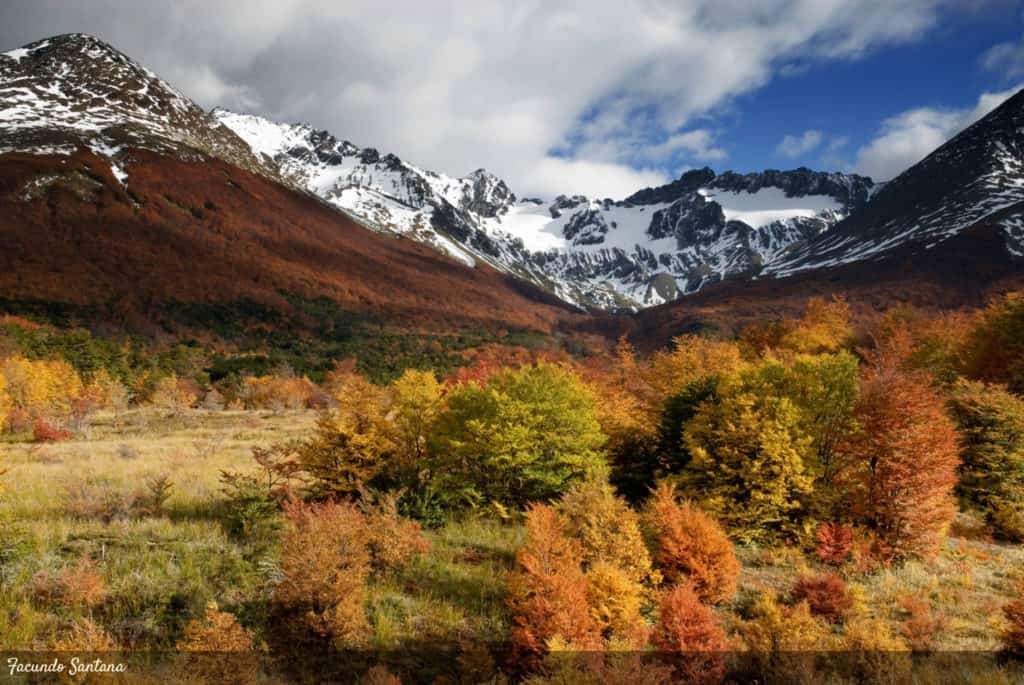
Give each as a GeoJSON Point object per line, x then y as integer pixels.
{"type": "Point", "coordinates": [553, 95]}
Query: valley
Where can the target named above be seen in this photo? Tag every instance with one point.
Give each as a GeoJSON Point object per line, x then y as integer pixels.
{"type": "Point", "coordinates": [277, 407]}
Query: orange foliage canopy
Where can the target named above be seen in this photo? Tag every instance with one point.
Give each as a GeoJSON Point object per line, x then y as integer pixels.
{"type": "Point", "coordinates": [689, 630]}
{"type": "Point", "coordinates": [691, 547]}
{"type": "Point", "coordinates": [900, 468]}
{"type": "Point", "coordinates": [548, 591]}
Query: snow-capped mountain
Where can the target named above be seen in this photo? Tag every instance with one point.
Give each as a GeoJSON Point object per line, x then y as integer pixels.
{"type": "Point", "coordinates": [75, 90]}
{"type": "Point", "coordinates": [975, 179]}
{"type": "Point", "coordinates": [644, 250]}
{"type": "Point", "coordinates": [384, 192]}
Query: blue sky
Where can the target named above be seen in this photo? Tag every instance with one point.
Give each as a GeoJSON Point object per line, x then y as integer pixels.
{"type": "Point", "coordinates": [830, 109]}
{"type": "Point", "coordinates": [570, 96]}
{"type": "Point", "coordinates": [850, 99]}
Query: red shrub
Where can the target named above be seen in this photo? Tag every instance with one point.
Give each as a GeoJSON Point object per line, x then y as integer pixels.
{"type": "Point", "coordinates": [393, 540]}
{"type": "Point", "coordinates": [921, 624]}
{"type": "Point", "coordinates": [835, 543]}
{"type": "Point", "coordinates": [44, 430]}
{"type": "Point", "coordinates": [1013, 634]}
{"type": "Point", "coordinates": [325, 562]}
{"type": "Point", "coordinates": [900, 469]}
{"type": "Point", "coordinates": [688, 630]}
{"type": "Point", "coordinates": [826, 596]}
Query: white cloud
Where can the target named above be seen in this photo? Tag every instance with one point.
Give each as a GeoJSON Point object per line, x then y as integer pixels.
{"type": "Point", "coordinates": [594, 179]}
{"type": "Point", "coordinates": [908, 137]}
{"type": "Point", "coordinates": [832, 158]}
{"type": "Point", "coordinates": [453, 85]}
{"type": "Point", "coordinates": [1005, 58]}
{"type": "Point", "coordinates": [794, 146]}
{"type": "Point", "coordinates": [698, 143]}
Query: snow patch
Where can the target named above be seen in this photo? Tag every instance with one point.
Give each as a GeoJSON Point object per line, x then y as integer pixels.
{"type": "Point", "coordinates": [768, 205]}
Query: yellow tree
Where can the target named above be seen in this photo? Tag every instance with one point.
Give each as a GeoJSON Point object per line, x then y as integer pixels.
{"type": "Point", "coordinates": [415, 405]}
{"type": "Point", "coordinates": [748, 466]}
{"type": "Point", "coordinates": [691, 359]}
{"type": "Point", "coordinates": [41, 386]}
{"type": "Point", "coordinates": [352, 442]}
{"type": "Point", "coordinates": [172, 395]}
{"type": "Point", "coordinates": [523, 437]}
{"type": "Point", "coordinates": [607, 528]}
{"type": "Point", "coordinates": [628, 414]}
{"type": "Point", "coordinates": [824, 327]}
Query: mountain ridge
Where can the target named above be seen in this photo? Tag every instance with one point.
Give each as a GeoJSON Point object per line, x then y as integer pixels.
{"type": "Point", "coordinates": [670, 247]}
{"type": "Point", "coordinates": [570, 246]}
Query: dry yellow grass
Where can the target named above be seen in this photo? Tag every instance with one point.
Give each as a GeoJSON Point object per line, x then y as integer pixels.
{"type": "Point", "coordinates": [123, 452]}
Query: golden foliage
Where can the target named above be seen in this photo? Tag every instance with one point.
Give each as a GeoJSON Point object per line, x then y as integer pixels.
{"type": "Point", "coordinates": [691, 359]}
{"type": "Point", "coordinates": [616, 599]}
{"type": "Point", "coordinates": [379, 675]}
{"type": "Point", "coordinates": [80, 585]}
{"type": "Point", "coordinates": [217, 631]}
{"type": "Point", "coordinates": [278, 393]}
{"type": "Point", "coordinates": [40, 386]}
{"type": "Point", "coordinates": [607, 528]}
{"type": "Point", "coordinates": [874, 655]}
{"type": "Point", "coordinates": [691, 547]}
{"type": "Point", "coordinates": [749, 465]}
{"type": "Point", "coordinates": [84, 636]}
{"type": "Point", "coordinates": [393, 540]}
{"type": "Point", "coordinates": [628, 411]}
{"type": "Point", "coordinates": [774, 628]}
{"type": "Point", "coordinates": [415, 405]}
{"type": "Point", "coordinates": [173, 395]}
{"type": "Point", "coordinates": [352, 441]}
{"type": "Point", "coordinates": [232, 659]}
{"type": "Point", "coordinates": [824, 327]}
{"type": "Point", "coordinates": [5, 402]}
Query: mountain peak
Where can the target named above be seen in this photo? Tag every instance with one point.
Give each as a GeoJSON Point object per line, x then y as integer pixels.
{"type": "Point", "coordinates": [74, 90]}
{"type": "Point", "coordinates": [974, 179]}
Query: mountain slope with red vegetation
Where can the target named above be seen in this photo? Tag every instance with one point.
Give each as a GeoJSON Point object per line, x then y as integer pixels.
{"type": "Point", "coordinates": [209, 232]}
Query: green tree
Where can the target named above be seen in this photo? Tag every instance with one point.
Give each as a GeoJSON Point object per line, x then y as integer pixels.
{"type": "Point", "coordinates": [748, 465]}
{"type": "Point", "coordinates": [991, 423]}
{"type": "Point", "coordinates": [522, 437]}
